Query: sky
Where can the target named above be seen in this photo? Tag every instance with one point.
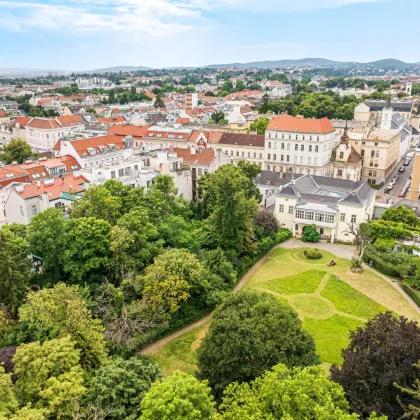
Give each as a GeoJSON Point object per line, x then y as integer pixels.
{"type": "Point", "coordinates": [79, 35]}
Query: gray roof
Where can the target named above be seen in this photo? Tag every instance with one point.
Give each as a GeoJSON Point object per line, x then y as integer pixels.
{"type": "Point", "coordinates": [271, 178]}
{"type": "Point", "coordinates": [379, 105]}
{"type": "Point", "coordinates": [328, 191]}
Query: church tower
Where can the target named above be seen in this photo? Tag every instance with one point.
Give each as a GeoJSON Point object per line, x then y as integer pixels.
{"type": "Point", "coordinates": [387, 115]}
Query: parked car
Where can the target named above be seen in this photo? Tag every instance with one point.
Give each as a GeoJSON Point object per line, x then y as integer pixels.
{"type": "Point", "coordinates": [402, 194]}
{"type": "Point", "coordinates": [390, 186]}
{"type": "Point", "coordinates": [401, 170]}
{"type": "Point", "coordinates": [386, 190]}
{"type": "Point", "coordinates": [407, 162]}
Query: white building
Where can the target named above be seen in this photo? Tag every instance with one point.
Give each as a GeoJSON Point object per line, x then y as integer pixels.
{"type": "Point", "coordinates": [329, 204]}
{"type": "Point", "coordinates": [300, 145]}
{"type": "Point", "coordinates": [27, 200]}
{"type": "Point", "coordinates": [107, 157]}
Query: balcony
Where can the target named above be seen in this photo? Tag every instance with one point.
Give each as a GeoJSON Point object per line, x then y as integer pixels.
{"type": "Point", "coordinates": [315, 222]}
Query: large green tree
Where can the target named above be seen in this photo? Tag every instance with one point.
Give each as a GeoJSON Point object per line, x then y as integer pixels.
{"type": "Point", "coordinates": [88, 242]}
{"type": "Point", "coordinates": [49, 375]}
{"type": "Point", "coordinates": [227, 194]}
{"type": "Point", "coordinates": [260, 125]}
{"type": "Point", "coordinates": [8, 400]}
{"type": "Point", "coordinates": [60, 311]}
{"type": "Point", "coordinates": [15, 268]}
{"type": "Point", "coordinates": [17, 150]}
{"type": "Point", "coordinates": [382, 353]}
{"type": "Point", "coordinates": [100, 203]}
{"type": "Point", "coordinates": [178, 397]}
{"type": "Point", "coordinates": [171, 279]}
{"type": "Point", "coordinates": [46, 239]}
{"type": "Point", "coordinates": [401, 214]}
{"type": "Point", "coordinates": [118, 388]}
{"type": "Point", "coordinates": [284, 393]}
{"type": "Point", "coordinates": [249, 333]}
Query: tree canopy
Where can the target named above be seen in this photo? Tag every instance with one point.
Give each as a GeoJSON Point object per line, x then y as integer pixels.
{"type": "Point", "coordinates": [249, 333]}
{"type": "Point", "coordinates": [178, 397]}
{"type": "Point", "coordinates": [17, 150]}
{"type": "Point", "coordinates": [382, 353]}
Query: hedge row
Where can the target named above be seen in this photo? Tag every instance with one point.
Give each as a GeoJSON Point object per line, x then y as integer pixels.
{"type": "Point", "coordinates": [414, 294]}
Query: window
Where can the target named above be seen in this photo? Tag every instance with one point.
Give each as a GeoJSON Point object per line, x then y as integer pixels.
{"type": "Point", "coordinates": [200, 171]}
{"type": "Point", "coordinates": [329, 218]}
{"type": "Point", "coordinates": [287, 158]}
{"type": "Point", "coordinates": [243, 154]}
{"type": "Point", "coordinates": [290, 209]}
{"type": "Point", "coordinates": [269, 156]}
{"type": "Point", "coordinates": [343, 217]}
{"type": "Point", "coordinates": [274, 157]}
{"type": "Point", "coordinates": [281, 208]}
{"type": "Point", "coordinates": [296, 136]}
{"type": "Point", "coordinates": [309, 160]}
{"type": "Point", "coordinates": [319, 217]}
{"type": "Point", "coordinates": [269, 144]}
{"type": "Point", "coordinates": [377, 153]}
{"type": "Point", "coordinates": [268, 168]}
{"type": "Point", "coordinates": [296, 147]}
{"type": "Point", "coordinates": [301, 159]}
{"type": "Point", "coordinates": [231, 152]}
{"type": "Point", "coordinates": [136, 167]}
{"type": "Point", "coordinates": [372, 153]}
{"type": "Point", "coordinates": [376, 144]}
{"type": "Point", "coordinates": [315, 161]}
{"type": "Point", "coordinates": [113, 174]}
{"type": "Point", "coordinates": [341, 155]}
{"type": "Point", "coordinates": [309, 215]}
{"type": "Point", "coordinates": [237, 154]}
{"type": "Point", "coordinates": [120, 172]}
{"type": "Point", "coordinates": [261, 156]}
{"type": "Point", "coordinates": [353, 218]}
{"type": "Point", "coordinates": [34, 210]}
{"type": "Point", "coordinates": [282, 158]}
{"type": "Point", "coordinates": [249, 154]}
{"type": "Point", "coordinates": [362, 153]}
{"type": "Point", "coordinates": [302, 147]}
{"type": "Point", "coordinates": [294, 159]}
{"type": "Point", "coordinates": [288, 146]}
{"type": "Point", "coordinates": [21, 210]}
{"type": "Point", "coordinates": [282, 145]}
{"type": "Point", "coordinates": [310, 148]}
{"type": "Point", "coordinates": [316, 148]}
{"type": "Point", "coordinates": [339, 172]}
{"type": "Point", "coordinates": [300, 214]}
{"type": "Point", "coordinates": [255, 155]}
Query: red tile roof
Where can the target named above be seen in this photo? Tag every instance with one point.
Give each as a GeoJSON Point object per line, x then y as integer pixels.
{"type": "Point", "coordinates": [43, 123]}
{"type": "Point", "coordinates": [11, 171]}
{"type": "Point", "coordinates": [82, 146]}
{"type": "Point", "coordinates": [167, 135]}
{"type": "Point", "coordinates": [128, 130]}
{"type": "Point", "coordinates": [300, 125]}
{"type": "Point", "coordinates": [69, 120]}
{"type": "Point", "coordinates": [203, 157]}
{"type": "Point", "coordinates": [3, 114]}
{"type": "Point", "coordinates": [67, 184]}
{"type": "Point", "coordinates": [182, 120]}
{"type": "Point", "coordinates": [22, 121]}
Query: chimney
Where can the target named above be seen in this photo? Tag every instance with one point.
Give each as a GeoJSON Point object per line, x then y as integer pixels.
{"type": "Point", "coordinates": [38, 184]}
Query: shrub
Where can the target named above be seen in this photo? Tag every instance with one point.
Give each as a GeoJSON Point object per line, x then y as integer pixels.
{"type": "Point", "coordinates": [385, 245]}
{"type": "Point", "coordinates": [414, 294]}
{"type": "Point", "coordinates": [312, 254]}
{"type": "Point", "coordinates": [310, 234]}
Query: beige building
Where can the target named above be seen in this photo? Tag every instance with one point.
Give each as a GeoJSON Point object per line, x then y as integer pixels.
{"type": "Point", "coordinates": [372, 109]}
{"type": "Point", "coordinates": [379, 150]}
{"type": "Point", "coordinates": [414, 191]}
{"type": "Point", "coordinates": [346, 162]}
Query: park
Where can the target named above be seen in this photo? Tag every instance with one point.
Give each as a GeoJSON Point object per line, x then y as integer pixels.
{"type": "Point", "coordinates": [330, 302]}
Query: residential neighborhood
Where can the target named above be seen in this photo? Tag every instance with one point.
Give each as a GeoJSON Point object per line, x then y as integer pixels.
{"type": "Point", "coordinates": [209, 210]}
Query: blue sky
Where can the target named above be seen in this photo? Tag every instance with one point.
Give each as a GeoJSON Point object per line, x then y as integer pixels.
{"type": "Point", "coordinates": [90, 34]}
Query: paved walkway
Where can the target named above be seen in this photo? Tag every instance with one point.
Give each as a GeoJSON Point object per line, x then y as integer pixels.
{"type": "Point", "coordinates": [342, 251]}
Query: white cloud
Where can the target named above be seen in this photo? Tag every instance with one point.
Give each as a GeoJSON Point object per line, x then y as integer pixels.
{"type": "Point", "coordinates": [158, 18]}
{"type": "Point", "coordinates": [275, 6]}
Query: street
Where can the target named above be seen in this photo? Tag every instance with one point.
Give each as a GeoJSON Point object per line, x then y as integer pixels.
{"type": "Point", "coordinates": [394, 193]}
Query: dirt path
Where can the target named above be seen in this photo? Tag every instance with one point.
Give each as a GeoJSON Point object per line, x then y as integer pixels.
{"type": "Point", "coordinates": [162, 342]}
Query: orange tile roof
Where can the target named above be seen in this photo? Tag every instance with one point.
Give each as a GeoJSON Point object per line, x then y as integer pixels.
{"type": "Point", "coordinates": [3, 114]}
{"type": "Point", "coordinates": [204, 157]}
{"type": "Point", "coordinates": [22, 121]}
{"type": "Point", "coordinates": [300, 125]}
{"type": "Point", "coordinates": [211, 136]}
{"type": "Point", "coordinates": [128, 130]}
{"type": "Point", "coordinates": [182, 120]}
{"type": "Point", "coordinates": [11, 171]}
{"type": "Point", "coordinates": [66, 184]}
{"type": "Point", "coordinates": [67, 160]}
{"type": "Point", "coordinates": [43, 123]}
{"type": "Point", "coordinates": [69, 120]}
{"type": "Point", "coordinates": [165, 135]}
{"type": "Point", "coordinates": [37, 172]}
{"type": "Point", "coordinates": [82, 146]}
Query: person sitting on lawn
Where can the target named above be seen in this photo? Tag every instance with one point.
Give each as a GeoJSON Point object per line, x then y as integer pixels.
{"type": "Point", "coordinates": [332, 263]}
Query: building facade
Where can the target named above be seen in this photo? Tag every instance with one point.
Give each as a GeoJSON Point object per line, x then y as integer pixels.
{"type": "Point", "coordinates": [332, 205]}
{"type": "Point", "coordinates": [300, 145]}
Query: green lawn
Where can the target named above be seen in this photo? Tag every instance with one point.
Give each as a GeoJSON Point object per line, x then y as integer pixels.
{"type": "Point", "coordinates": [330, 301]}
{"type": "Point", "coordinates": [346, 299]}
{"type": "Point", "coordinates": [306, 282]}
{"type": "Point", "coordinates": [331, 335]}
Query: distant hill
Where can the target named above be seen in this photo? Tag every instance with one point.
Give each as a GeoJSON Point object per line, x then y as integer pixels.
{"type": "Point", "coordinates": [392, 63]}
{"type": "Point", "coordinates": [116, 69]}
{"type": "Point", "coordinates": [316, 62]}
